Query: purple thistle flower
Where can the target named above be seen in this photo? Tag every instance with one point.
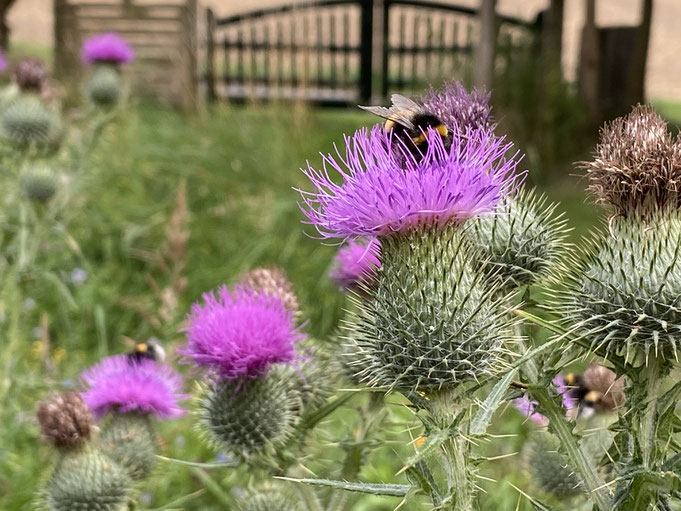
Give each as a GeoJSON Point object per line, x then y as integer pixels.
{"type": "Point", "coordinates": [356, 262]}
{"type": "Point", "coordinates": [564, 390]}
{"type": "Point", "coordinates": [108, 47]}
{"type": "Point", "coordinates": [240, 333]}
{"type": "Point", "coordinates": [3, 61]}
{"type": "Point", "coordinates": [527, 407]}
{"type": "Point", "coordinates": [121, 384]}
{"type": "Point", "coordinates": [459, 109]}
{"type": "Point", "coordinates": [386, 189]}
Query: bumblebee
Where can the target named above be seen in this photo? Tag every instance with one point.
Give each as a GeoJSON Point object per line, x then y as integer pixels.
{"type": "Point", "coordinates": [409, 121]}
{"type": "Point", "coordinates": [596, 391]}
{"type": "Point", "coordinates": [150, 350]}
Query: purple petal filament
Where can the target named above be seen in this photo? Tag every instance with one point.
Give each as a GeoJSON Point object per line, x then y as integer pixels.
{"type": "Point", "coordinates": [108, 47]}
{"type": "Point", "coordinates": [120, 384]}
{"type": "Point", "coordinates": [356, 262]}
{"type": "Point", "coordinates": [240, 333]}
{"type": "Point", "coordinates": [385, 189]}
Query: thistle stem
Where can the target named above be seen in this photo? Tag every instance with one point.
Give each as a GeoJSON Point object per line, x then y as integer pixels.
{"type": "Point", "coordinates": [648, 422]}
{"type": "Point", "coordinates": [562, 429]}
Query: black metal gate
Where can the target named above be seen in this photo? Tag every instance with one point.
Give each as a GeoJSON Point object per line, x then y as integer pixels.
{"type": "Point", "coordinates": [321, 51]}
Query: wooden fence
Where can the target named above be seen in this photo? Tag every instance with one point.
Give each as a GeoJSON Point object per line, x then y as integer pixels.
{"type": "Point", "coordinates": [162, 32]}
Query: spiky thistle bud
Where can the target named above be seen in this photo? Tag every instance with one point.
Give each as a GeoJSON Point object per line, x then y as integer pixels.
{"type": "Point", "coordinates": [636, 164]}
{"type": "Point", "coordinates": [312, 376]}
{"type": "Point", "coordinates": [623, 296]}
{"type": "Point", "coordinates": [39, 182]}
{"type": "Point", "coordinates": [87, 479]}
{"type": "Point", "coordinates": [65, 420]}
{"type": "Point", "coordinates": [273, 282]}
{"type": "Point", "coordinates": [252, 417]}
{"type": "Point", "coordinates": [26, 120]}
{"type": "Point", "coordinates": [523, 241]}
{"type": "Point", "coordinates": [129, 439]}
{"type": "Point", "coordinates": [30, 74]}
{"type": "Point", "coordinates": [105, 87]}
{"type": "Point", "coordinates": [549, 470]}
{"type": "Point", "coordinates": [271, 498]}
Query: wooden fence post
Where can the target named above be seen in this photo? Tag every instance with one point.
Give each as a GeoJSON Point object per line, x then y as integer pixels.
{"type": "Point", "coordinates": [484, 61]}
{"type": "Point", "coordinates": [210, 54]}
{"type": "Point", "coordinates": [366, 52]}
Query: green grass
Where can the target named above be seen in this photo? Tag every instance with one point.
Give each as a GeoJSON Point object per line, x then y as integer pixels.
{"type": "Point", "coordinates": [241, 166]}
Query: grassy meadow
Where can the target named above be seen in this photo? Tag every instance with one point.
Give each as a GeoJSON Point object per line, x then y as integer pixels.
{"type": "Point", "coordinates": [240, 166]}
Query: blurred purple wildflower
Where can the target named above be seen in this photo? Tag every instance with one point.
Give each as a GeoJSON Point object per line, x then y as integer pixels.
{"type": "Point", "coordinates": [3, 61]}
{"type": "Point", "coordinates": [385, 189]}
{"type": "Point", "coordinates": [459, 109]}
{"type": "Point", "coordinates": [527, 407]}
{"type": "Point", "coordinates": [564, 390]}
{"type": "Point", "coordinates": [356, 262]}
{"type": "Point", "coordinates": [240, 333]}
{"type": "Point", "coordinates": [145, 386]}
{"type": "Point", "coordinates": [109, 47]}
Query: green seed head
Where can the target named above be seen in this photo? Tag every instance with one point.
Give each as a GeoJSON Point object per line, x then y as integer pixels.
{"type": "Point", "coordinates": [104, 88]}
{"type": "Point", "coordinates": [252, 417]}
{"type": "Point", "coordinates": [524, 240]}
{"type": "Point", "coordinates": [431, 322]}
{"type": "Point", "coordinates": [85, 479]}
{"type": "Point", "coordinates": [129, 439]}
{"type": "Point", "coordinates": [623, 296]}
{"type": "Point", "coordinates": [26, 120]}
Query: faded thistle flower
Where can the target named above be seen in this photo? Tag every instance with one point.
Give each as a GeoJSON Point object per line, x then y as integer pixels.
{"type": "Point", "coordinates": [272, 281]}
{"type": "Point", "coordinates": [109, 48]}
{"type": "Point", "coordinates": [121, 384]}
{"type": "Point", "coordinates": [459, 109]}
{"type": "Point", "coordinates": [636, 164]}
{"type": "Point", "coordinates": [240, 333]}
{"type": "Point", "coordinates": [30, 74]}
{"type": "Point", "coordinates": [430, 322]}
{"type": "Point", "coordinates": [65, 420]}
{"type": "Point", "coordinates": [523, 241]}
{"type": "Point", "coordinates": [355, 264]}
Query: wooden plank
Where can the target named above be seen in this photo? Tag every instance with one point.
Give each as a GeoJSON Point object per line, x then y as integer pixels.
{"type": "Point", "coordinates": [129, 25]}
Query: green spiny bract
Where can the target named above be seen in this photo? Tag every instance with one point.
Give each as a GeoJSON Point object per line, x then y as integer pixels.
{"type": "Point", "coordinates": [86, 480]}
{"type": "Point", "coordinates": [624, 296]}
{"type": "Point", "coordinates": [104, 88]}
{"type": "Point", "coordinates": [39, 182]}
{"type": "Point", "coordinates": [524, 240]}
{"type": "Point", "coordinates": [129, 439]}
{"type": "Point", "coordinates": [312, 376]}
{"type": "Point", "coordinates": [431, 322]}
{"type": "Point", "coordinates": [549, 469]}
{"type": "Point", "coordinates": [26, 120]}
{"type": "Point", "coordinates": [271, 498]}
{"type": "Point", "coordinates": [252, 417]}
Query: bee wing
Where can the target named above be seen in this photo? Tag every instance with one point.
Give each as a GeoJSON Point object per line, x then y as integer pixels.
{"type": "Point", "coordinates": [381, 111]}
{"type": "Point", "coordinates": [400, 116]}
{"type": "Point", "coordinates": [401, 102]}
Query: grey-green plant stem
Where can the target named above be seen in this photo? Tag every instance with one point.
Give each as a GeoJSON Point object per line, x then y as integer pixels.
{"type": "Point", "coordinates": [460, 495]}
{"type": "Point", "coordinates": [563, 430]}
{"type": "Point", "coordinates": [653, 380]}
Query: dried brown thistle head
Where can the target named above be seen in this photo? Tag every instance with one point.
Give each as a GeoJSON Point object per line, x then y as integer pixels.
{"type": "Point", "coordinates": [65, 420]}
{"type": "Point", "coordinates": [637, 163]}
{"type": "Point", "coordinates": [30, 74]}
{"type": "Point", "coordinates": [272, 281]}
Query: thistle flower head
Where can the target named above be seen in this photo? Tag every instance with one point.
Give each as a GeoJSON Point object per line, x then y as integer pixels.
{"type": "Point", "coordinates": [109, 47]}
{"type": "Point", "coordinates": [121, 384]}
{"type": "Point", "coordinates": [564, 390]}
{"type": "Point", "coordinates": [26, 120]}
{"type": "Point", "coordinates": [636, 163]}
{"type": "Point", "coordinates": [273, 282]}
{"type": "Point", "coordinates": [623, 295]}
{"type": "Point", "coordinates": [30, 74]}
{"type": "Point", "coordinates": [239, 333]}
{"type": "Point", "coordinates": [459, 109]}
{"type": "Point", "coordinates": [385, 189]}
{"type": "Point", "coordinates": [3, 61]}
{"type": "Point", "coordinates": [523, 241]}
{"type": "Point", "coordinates": [65, 420]}
{"type": "Point", "coordinates": [356, 263]}
{"type": "Point", "coordinates": [527, 407]}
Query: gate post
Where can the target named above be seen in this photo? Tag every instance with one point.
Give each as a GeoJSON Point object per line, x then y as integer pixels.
{"type": "Point", "coordinates": [385, 53]}
{"type": "Point", "coordinates": [210, 54]}
{"type": "Point", "coordinates": [366, 50]}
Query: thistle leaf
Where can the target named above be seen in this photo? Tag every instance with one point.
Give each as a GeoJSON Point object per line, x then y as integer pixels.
{"type": "Point", "coordinates": [482, 419]}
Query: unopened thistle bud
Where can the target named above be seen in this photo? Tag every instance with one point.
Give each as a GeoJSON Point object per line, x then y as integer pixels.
{"type": "Point", "coordinates": [549, 470]}
{"type": "Point", "coordinates": [271, 498]}
{"type": "Point", "coordinates": [39, 182]}
{"type": "Point", "coordinates": [105, 87]}
{"type": "Point", "coordinates": [250, 417]}
{"type": "Point", "coordinates": [273, 282]}
{"type": "Point", "coordinates": [523, 241]}
{"type": "Point", "coordinates": [26, 120]}
{"type": "Point", "coordinates": [130, 440]}
{"type": "Point", "coordinates": [30, 75]}
{"type": "Point", "coordinates": [65, 420]}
